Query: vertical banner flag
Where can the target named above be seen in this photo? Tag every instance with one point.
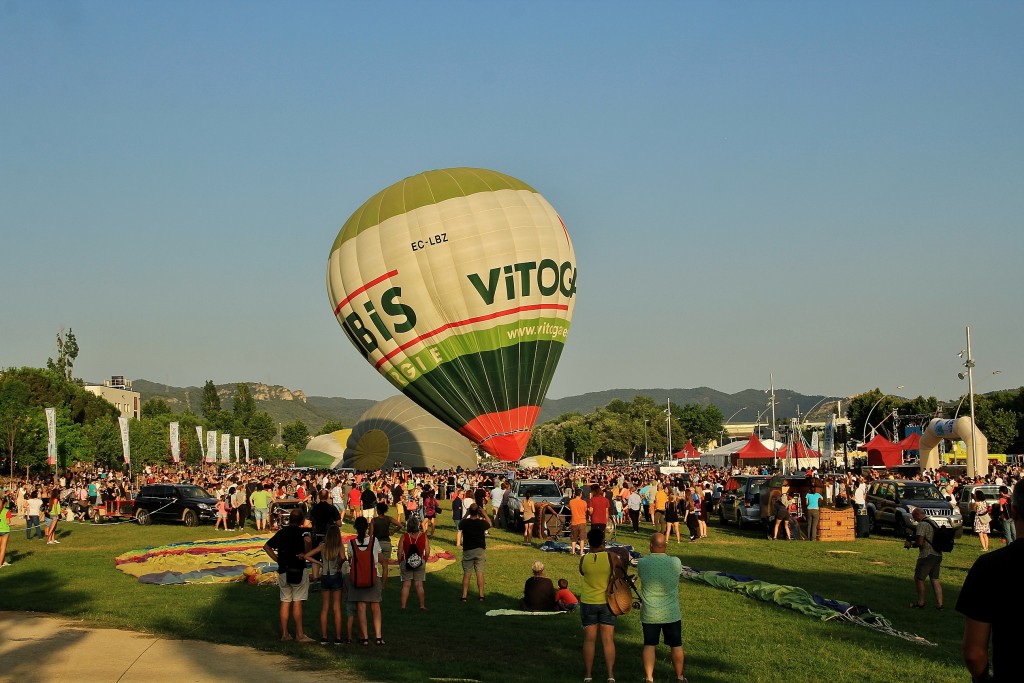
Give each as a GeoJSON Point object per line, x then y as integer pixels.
{"type": "Point", "coordinates": [199, 435]}
{"type": "Point", "coordinates": [211, 446]}
{"type": "Point", "coordinates": [225, 448]}
{"type": "Point", "coordinates": [175, 443]}
{"type": "Point", "coordinates": [126, 445]}
{"type": "Point", "coordinates": [814, 440]}
{"type": "Point", "coordinates": [51, 431]}
{"type": "Point", "coordinates": [827, 454]}
{"type": "Point", "coordinates": [245, 442]}
{"type": "Point", "coordinates": [237, 439]}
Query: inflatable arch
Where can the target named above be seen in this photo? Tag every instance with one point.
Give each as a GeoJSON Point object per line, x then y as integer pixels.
{"type": "Point", "coordinates": [962, 429]}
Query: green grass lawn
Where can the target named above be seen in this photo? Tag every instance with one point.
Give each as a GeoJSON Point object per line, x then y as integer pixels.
{"type": "Point", "coordinates": [727, 637]}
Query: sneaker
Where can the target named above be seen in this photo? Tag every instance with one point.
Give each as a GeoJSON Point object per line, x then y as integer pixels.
{"type": "Point", "coordinates": [323, 641]}
{"type": "Point", "coordinates": [56, 541]}
{"type": "Point", "coordinates": [5, 564]}
{"type": "Point", "coordinates": [50, 542]}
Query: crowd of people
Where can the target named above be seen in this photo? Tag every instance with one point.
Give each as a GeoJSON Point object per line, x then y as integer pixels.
{"type": "Point", "coordinates": [308, 547]}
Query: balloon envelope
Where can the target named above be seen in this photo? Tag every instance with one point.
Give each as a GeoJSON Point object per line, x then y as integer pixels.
{"type": "Point", "coordinates": [458, 286]}
{"type": "Point", "coordinates": [397, 430]}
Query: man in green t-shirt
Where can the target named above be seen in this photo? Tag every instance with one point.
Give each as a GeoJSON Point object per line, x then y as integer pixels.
{"type": "Point", "coordinates": [260, 501]}
{"type": "Point", "coordinates": [660, 614]}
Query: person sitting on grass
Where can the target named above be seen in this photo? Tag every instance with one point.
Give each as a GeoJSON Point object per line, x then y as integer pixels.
{"type": "Point", "coordinates": [567, 600]}
{"type": "Point", "coordinates": [539, 592]}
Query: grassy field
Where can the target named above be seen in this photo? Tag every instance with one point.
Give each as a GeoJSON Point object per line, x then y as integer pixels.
{"type": "Point", "coordinates": [727, 637]}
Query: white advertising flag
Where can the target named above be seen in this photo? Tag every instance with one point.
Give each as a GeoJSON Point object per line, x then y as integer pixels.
{"type": "Point", "coordinates": [126, 445]}
{"type": "Point", "coordinates": [199, 435]}
{"type": "Point", "coordinates": [175, 443]}
{"type": "Point", "coordinates": [245, 442]}
{"type": "Point", "coordinates": [225, 448]}
{"type": "Point", "coordinates": [51, 434]}
{"type": "Point", "coordinates": [237, 439]}
{"type": "Point", "coordinates": [211, 446]}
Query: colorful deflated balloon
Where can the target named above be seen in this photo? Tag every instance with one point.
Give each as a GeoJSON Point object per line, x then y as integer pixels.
{"type": "Point", "coordinates": [458, 286]}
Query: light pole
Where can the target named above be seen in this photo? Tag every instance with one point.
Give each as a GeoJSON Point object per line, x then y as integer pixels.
{"type": "Point", "coordinates": [775, 442]}
{"type": "Point", "coordinates": [668, 418]}
{"type": "Point", "coordinates": [963, 375]}
{"type": "Point", "coordinates": [721, 436]}
{"type": "Point", "coordinates": [863, 436]}
{"type": "Point", "coordinates": [972, 471]}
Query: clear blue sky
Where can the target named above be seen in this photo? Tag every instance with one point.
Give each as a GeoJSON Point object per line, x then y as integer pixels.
{"type": "Point", "coordinates": [827, 191]}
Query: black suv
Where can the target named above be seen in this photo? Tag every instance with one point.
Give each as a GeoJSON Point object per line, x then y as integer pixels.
{"type": "Point", "coordinates": [175, 503]}
{"type": "Point", "coordinates": [890, 502]}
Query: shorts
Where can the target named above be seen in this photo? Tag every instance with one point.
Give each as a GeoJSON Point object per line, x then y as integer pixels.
{"type": "Point", "coordinates": [673, 634]}
{"type": "Point", "coordinates": [413, 574]}
{"type": "Point", "coordinates": [48, 522]}
{"type": "Point", "coordinates": [330, 582]}
{"type": "Point", "coordinates": [578, 532]}
{"type": "Point", "coordinates": [385, 548]}
{"type": "Point", "coordinates": [261, 514]}
{"type": "Point", "coordinates": [928, 568]}
{"type": "Point", "coordinates": [568, 606]}
{"type": "Point", "coordinates": [369, 513]}
{"type": "Point", "coordinates": [474, 560]}
{"type": "Point", "coordinates": [592, 615]}
{"type": "Point", "coordinates": [222, 515]}
{"type": "Point", "coordinates": [291, 593]}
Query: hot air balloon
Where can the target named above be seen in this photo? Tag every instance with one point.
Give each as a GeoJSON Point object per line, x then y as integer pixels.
{"type": "Point", "coordinates": [397, 430]}
{"type": "Point", "coordinates": [458, 286]}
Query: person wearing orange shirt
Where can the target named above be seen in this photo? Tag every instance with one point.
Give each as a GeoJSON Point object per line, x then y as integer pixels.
{"type": "Point", "coordinates": [578, 508]}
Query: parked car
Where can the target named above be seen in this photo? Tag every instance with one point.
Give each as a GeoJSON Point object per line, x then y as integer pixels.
{"type": "Point", "coordinates": [965, 496]}
{"type": "Point", "coordinates": [540, 490]}
{"type": "Point", "coordinates": [740, 502]}
{"type": "Point", "coordinates": [890, 503]}
{"type": "Point", "coordinates": [175, 503]}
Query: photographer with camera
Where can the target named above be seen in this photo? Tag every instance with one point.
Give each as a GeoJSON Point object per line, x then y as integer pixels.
{"type": "Point", "coordinates": [474, 548]}
{"type": "Point", "coordinates": [929, 560]}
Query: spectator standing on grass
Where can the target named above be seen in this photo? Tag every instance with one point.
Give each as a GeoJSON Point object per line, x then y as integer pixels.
{"type": "Point", "coordinates": [474, 528]}
{"type": "Point", "coordinates": [414, 542]}
{"type": "Point", "coordinates": [929, 560]}
{"type": "Point", "coordinates": [660, 615]}
{"type": "Point", "coordinates": [260, 501]}
{"type": "Point", "coordinates": [288, 548]}
{"type": "Point", "coordinates": [595, 614]}
{"type": "Point", "coordinates": [993, 613]}
{"type": "Point", "coordinates": [598, 508]}
{"type": "Point", "coordinates": [633, 505]}
{"type": "Point", "coordinates": [332, 556]}
{"type": "Point", "coordinates": [813, 514]}
{"type": "Point", "coordinates": [578, 521]}
{"type": "Point", "coordinates": [33, 511]}
{"type": "Point", "coordinates": [381, 527]}
{"type": "Point", "coordinates": [982, 518]}
{"type": "Point", "coordinates": [5, 526]}
{"type": "Point", "coordinates": [1009, 529]}
{"type": "Point", "coordinates": [52, 517]}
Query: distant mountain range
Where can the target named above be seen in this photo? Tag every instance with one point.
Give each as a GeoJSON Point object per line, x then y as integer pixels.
{"type": "Point", "coordinates": [287, 405]}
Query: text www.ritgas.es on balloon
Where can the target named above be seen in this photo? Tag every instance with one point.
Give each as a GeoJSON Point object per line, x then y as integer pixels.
{"type": "Point", "coordinates": [542, 330]}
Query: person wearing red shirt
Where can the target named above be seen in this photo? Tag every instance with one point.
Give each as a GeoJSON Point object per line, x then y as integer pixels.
{"type": "Point", "coordinates": [598, 508]}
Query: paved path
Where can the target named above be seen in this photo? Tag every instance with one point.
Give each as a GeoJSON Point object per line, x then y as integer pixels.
{"type": "Point", "coordinates": [36, 648]}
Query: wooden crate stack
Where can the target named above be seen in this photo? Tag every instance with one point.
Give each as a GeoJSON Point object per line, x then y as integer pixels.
{"type": "Point", "coordinates": [836, 525]}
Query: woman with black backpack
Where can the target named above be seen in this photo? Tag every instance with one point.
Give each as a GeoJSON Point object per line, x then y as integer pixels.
{"type": "Point", "coordinates": [413, 551]}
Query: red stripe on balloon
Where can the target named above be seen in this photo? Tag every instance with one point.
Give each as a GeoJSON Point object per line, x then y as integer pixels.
{"type": "Point", "coordinates": [469, 321]}
{"type": "Point", "coordinates": [362, 289]}
{"type": "Point", "coordinates": [504, 434]}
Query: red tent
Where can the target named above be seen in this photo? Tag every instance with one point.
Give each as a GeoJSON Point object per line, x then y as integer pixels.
{"type": "Point", "coordinates": [687, 452]}
{"type": "Point", "coordinates": [801, 452]}
{"type": "Point", "coordinates": [882, 452]}
{"type": "Point", "coordinates": [911, 443]}
{"type": "Point", "coordinates": [754, 449]}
